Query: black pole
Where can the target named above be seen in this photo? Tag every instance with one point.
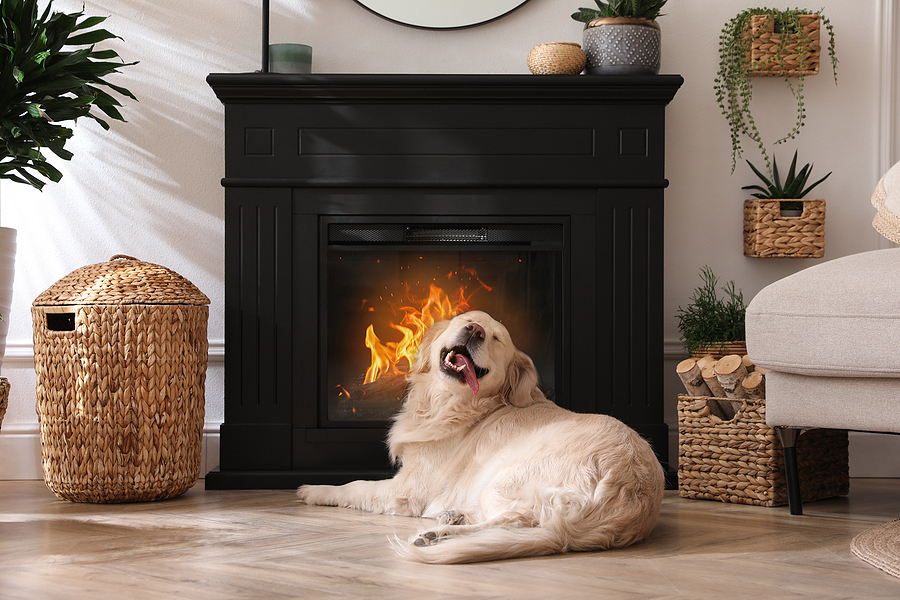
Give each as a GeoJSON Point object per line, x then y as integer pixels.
{"type": "Point", "coordinates": [265, 36]}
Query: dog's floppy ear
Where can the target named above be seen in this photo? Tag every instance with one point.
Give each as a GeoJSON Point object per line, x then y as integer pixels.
{"type": "Point", "coordinates": [521, 380]}
{"type": "Point", "coordinates": [422, 364]}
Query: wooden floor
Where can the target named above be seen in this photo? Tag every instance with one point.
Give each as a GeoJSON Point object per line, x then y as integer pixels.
{"type": "Point", "coordinates": [263, 544]}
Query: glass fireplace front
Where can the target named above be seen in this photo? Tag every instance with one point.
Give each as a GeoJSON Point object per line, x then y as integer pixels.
{"type": "Point", "coordinates": [386, 281]}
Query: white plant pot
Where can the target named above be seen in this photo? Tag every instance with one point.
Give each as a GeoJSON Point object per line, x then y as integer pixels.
{"type": "Point", "coordinates": [7, 272]}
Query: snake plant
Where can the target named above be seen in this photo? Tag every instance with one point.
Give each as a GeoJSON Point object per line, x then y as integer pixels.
{"type": "Point", "coordinates": [793, 188]}
{"type": "Point", "coordinates": [643, 9]}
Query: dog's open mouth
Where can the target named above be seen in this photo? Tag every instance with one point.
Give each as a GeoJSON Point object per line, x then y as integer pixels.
{"type": "Point", "coordinates": [458, 363]}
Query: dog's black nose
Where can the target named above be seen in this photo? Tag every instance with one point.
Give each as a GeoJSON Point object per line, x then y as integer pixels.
{"type": "Point", "coordinates": [476, 329]}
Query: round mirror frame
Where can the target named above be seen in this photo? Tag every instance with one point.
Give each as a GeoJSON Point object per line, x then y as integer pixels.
{"type": "Point", "coordinates": [449, 15]}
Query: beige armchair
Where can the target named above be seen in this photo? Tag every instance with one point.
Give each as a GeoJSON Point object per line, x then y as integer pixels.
{"type": "Point", "coordinates": [830, 336]}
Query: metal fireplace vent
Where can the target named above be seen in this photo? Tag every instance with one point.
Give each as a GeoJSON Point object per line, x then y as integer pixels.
{"type": "Point", "coordinates": [400, 233]}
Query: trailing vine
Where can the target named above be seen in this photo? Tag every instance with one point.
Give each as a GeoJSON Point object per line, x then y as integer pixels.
{"type": "Point", "coordinates": [733, 86]}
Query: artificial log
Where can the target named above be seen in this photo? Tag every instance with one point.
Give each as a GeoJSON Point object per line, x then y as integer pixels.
{"type": "Point", "coordinates": [692, 378]}
{"type": "Point", "coordinates": [730, 370]}
{"type": "Point", "coordinates": [748, 364]}
{"type": "Point", "coordinates": [712, 382]}
{"type": "Point", "coordinates": [388, 388]}
{"type": "Point", "coordinates": [754, 385]}
{"type": "Point", "coordinates": [706, 361]}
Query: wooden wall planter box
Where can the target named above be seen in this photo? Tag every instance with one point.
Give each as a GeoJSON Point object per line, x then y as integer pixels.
{"type": "Point", "coordinates": [800, 56]}
{"type": "Point", "coordinates": [769, 235]}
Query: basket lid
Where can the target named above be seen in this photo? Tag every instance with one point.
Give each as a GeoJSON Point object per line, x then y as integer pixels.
{"type": "Point", "coordinates": [122, 280]}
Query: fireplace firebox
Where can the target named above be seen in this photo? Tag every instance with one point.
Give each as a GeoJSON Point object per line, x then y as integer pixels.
{"type": "Point", "coordinates": [362, 208]}
{"type": "Point", "coordinates": [384, 282]}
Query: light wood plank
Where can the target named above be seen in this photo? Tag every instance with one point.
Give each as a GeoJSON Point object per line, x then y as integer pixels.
{"type": "Point", "coordinates": [263, 544]}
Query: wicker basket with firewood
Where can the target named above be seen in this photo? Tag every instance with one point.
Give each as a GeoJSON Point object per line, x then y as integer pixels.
{"type": "Point", "coordinates": [728, 453]}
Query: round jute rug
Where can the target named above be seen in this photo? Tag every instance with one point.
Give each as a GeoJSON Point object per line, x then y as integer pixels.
{"type": "Point", "coordinates": [880, 546]}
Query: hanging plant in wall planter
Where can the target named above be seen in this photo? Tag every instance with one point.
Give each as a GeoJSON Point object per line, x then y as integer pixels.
{"type": "Point", "coordinates": [621, 37]}
{"type": "Point", "coordinates": [778, 222]}
{"type": "Point", "coordinates": [767, 42]}
{"type": "Point", "coordinates": [50, 72]}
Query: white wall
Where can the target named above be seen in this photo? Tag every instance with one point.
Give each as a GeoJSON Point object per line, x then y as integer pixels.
{"type": "Point", "coordinates": [150, 187]}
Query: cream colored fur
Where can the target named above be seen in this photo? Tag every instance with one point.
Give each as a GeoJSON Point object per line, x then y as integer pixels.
{"type": "Point", "coordinates": [506, 473]}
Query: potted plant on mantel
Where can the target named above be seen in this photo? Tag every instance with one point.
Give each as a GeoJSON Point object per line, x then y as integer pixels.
{"type": "Point", "coordinates": [778, 222]}
{"type": "Point", "coordinates": [621, 37]}
{"type": "Point", "coordinates": [50, 72]}
{"type": "Point", "coordinates": [767, 42]}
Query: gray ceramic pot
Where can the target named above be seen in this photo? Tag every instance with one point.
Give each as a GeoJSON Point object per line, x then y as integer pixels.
{"type": "Point", "coordinates": [622, 46]}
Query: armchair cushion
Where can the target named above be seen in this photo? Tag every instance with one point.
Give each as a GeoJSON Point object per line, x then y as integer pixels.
{"type": "Point", "coordinates": [840, 318]}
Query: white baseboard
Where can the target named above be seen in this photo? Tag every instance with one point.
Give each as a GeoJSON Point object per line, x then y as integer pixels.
{"type": "Point", "coordinates": [20, 451]}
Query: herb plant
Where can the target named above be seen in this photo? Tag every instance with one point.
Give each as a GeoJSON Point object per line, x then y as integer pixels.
{"type": "Point", "coordinates": [50, 72]}
{"type": "Point", "coordinates": [733, 86]}
{"type": "Point", "coordinates": [709, 319]}
{"type": "Point", "coordinates": [642, 9]}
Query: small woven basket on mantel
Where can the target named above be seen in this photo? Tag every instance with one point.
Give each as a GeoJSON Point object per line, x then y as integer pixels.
{"type": "Point", "coordinates": [120, 360]}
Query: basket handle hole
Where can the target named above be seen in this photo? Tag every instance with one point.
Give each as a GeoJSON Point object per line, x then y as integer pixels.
{"type": "Point", "coordinates": [61, 321]}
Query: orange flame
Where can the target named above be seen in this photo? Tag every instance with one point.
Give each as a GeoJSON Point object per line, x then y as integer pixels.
{"type": "Point", "coordinates": [418, 315]}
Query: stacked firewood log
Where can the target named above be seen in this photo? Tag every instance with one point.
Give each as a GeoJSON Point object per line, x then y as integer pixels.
{"type": "Point", "coordinates": [729, 379]}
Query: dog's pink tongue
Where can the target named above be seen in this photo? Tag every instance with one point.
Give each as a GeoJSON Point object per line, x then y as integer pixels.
{"type": "Point", "coordinates": [468, 370]}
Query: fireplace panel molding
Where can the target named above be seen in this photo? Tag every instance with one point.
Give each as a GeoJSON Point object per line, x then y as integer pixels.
{"type": "Point", "coordinates": [299, 149]}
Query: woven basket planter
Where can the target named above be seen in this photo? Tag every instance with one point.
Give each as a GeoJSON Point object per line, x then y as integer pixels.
{"type": "Point", "coordinates": [742, 461]}
{"type": "Point", "coordinates": [769, 235]}
{"type": "Point", "coordinates": [120, 361]}
{"type": "Point", "coordinates": [720, 350]}
{"type": "Point", "coordinates": [556, 58]}
{"type": "Point", "coordinates": [799, 56]}
{"type": "Point", "coordinates": [4, 397]}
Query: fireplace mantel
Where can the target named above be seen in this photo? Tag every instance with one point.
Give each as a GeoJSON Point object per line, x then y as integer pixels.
{"type": "Point", "coordinates": [588, 151]}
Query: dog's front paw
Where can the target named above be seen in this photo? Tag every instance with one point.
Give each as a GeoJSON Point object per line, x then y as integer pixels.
{"type": "Point", "coordinates": [451, 517]}
{"type": "Point", "coordinates": [312, 494]}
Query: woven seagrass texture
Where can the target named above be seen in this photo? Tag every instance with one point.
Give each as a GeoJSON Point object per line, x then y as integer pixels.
{"type": "Point", "coordinates": [720, 350]}
{"type": "Point", "coordinates": [557, 58]}
{"type": "Point", "coordinates": [120, 395]}
{"type": "Point", "coordinates": [122, 280]}
{"type": "Point", "coordinates": [742, 461]}
{"type": "Point", "coordinates": [4, 397]}
{"type": "Point", "coordinates": [799, 55]}
{"type": "Point", "coordinates": [769, 235]}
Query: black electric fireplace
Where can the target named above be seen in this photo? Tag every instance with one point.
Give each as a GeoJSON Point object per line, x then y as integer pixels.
{"type": "Point", "coordinates": [362, 208]}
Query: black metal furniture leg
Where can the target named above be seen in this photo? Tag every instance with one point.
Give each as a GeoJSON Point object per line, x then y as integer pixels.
{"type": "Point", "coordinates": [788, 439]}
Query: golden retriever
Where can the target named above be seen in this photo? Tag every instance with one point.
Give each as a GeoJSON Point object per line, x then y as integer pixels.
{"type": "Point", "coordinates": [506, 472]}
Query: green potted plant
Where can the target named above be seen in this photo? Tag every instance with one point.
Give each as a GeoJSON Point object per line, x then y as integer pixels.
{"type": "Point", "coordinates": [50, 73]}
{"type": "Point", "coordinates": [621, 37]}
{"type": "Point", "coordinates": [713, 324]}
{"type": "Point", "coordinates": [778, 222]}
{"type": "Point", "coordinates": [710, 323]}
{"type": "Point", "coordinates": [767, 42]}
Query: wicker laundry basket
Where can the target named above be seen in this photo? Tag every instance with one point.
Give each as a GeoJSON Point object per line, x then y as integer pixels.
{"type": "Point", "coordinates": [120, 360]}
